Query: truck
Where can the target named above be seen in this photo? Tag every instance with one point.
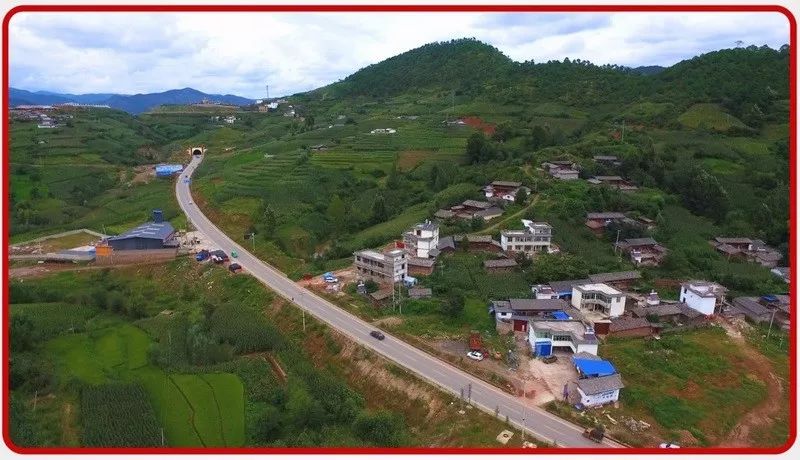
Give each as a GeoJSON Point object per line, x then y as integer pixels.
{"type": "Point", "coordinates": [475, 342]}
{"type": "Point", "coordinates": [595, 434]}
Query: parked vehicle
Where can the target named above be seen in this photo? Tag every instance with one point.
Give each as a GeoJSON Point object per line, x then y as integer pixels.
{"type": "Point", "coordinates": [202, 255]}
{"type": "Point", "coordinates": [378, 335]}
{"type": "Point", "coordinates": [476, 355]}
{"type": "Point", "coordinates": [234, 254]}
{"type": "Point", "coordinates": [219, 257]}
{"type": "Point", "coordinates": [595, 434]}
{"type": "Point", "coordinates": [549, 359]}
{"type": "Point", "coordinates": [668, 445]}
{"type": "Point", "coordinates": [234, 268]}
{"type": "Point", "coordinates": [331, 279]}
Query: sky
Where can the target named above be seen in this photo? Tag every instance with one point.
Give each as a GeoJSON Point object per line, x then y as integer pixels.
{"type": "Point", "coordinates": [241, 53]}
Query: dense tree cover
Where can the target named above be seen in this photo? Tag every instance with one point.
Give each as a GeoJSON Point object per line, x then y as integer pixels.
{"type": "Point", "coordinates": [462, 65]}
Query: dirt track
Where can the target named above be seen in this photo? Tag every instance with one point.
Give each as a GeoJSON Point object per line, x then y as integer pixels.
{"type": "Point", "coordinates": [762, 415]}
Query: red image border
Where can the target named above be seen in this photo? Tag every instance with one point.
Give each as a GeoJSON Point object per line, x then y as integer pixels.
{"type": "Point", "coordinates": [389, 9]}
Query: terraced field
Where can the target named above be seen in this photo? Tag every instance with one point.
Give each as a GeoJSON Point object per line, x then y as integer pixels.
{"type": "Point", "coordinates": [195, 409]}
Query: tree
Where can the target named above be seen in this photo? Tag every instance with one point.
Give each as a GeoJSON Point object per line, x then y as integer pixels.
{"type": "Point", "coordinates": [379, 213]}
{"type": "Point", "coordinates": [548, 267]}
{"type": "Point", "coordinates": [268, 219]}
{"type": "Point", "coordinates": [479, 149]}
{"type": "Point", "coordinates": [22, 332]}
{"type": "Point", "coordinates": [454, 305]}
{"type": "Point", "coordinates": [337, 213]}
{"type": "Point", "coordinates": [521, 196]}
{"type": "Point", "coordinates": [382, 428]}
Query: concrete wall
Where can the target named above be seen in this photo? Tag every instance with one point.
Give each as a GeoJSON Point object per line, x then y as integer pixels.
{"type": "Point", "coordinates": [137, 256]}
{"type": "Point", "coordinates": [596, 400]}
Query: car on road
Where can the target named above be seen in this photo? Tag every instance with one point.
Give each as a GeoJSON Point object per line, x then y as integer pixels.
{"type": "Point", "coordinates": [190, 202]}
{"type": "Point", "coordinates": [476, 355]}
{"type": "Point", "coordinates": [669, 445]}
{"type": "Point", "coordinates": [549, 359]}
{"type": "Point", "coordinates": [378, 335]}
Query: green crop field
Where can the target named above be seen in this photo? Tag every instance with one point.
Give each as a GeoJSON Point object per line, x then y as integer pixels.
{"type": "Point", "coordinates": [709, 116]}
{"type": "Point", "coordinates": [185, 404]}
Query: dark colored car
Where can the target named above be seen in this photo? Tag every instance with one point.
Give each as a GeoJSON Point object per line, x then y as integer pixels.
{"type": "Point", "coordinates": [378, 335]}
{"type": "Point", "coordinates": [234, 267]}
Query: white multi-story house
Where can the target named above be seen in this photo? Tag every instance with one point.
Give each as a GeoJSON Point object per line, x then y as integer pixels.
{"type": "Point", "coordinates": [702, 296]}
{"type": "Point", "coordinates": [600, 298]}
{"type": "Point", "coordinates": [389, 266]}
{"type": "Point", "coordinates": [422, 240]}
{"type": "Point", "coordinates": [535, 238]}
{"type": "Point", "coordinates": [545, 335]}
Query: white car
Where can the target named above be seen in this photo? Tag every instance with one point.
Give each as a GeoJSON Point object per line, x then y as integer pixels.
{"type": "Point", "coordinates": [476, 355]}
{"type": "Point", "coordinates": [668, 445]}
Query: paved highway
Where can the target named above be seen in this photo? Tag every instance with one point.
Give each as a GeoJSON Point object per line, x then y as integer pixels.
{"type": "Point", "coordinates": [536, 422]}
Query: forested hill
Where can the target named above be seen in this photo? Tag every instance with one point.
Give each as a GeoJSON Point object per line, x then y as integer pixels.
{"type": "Point", "coordinates": [458, 64]}
{"type": "Point", "coordinates": [744, 80]}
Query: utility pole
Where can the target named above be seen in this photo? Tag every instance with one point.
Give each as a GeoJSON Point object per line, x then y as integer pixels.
{"type": "Point", "coordinates": [616, 243]}
{"type": "Point", "coordinates": [469, 393]}
{"type": "Point", "coordinates": [770, 324]}
{"type": "Point", "coordinates": [523, 425]}
{"type": "Point", "coordinates": [623, 130]}
{"type": "Point", "coordinates": [304, 319]}
{"type": "Point", "coordinates": [253, 237]}
{"type": "Point", "coordinates": [268, 92]}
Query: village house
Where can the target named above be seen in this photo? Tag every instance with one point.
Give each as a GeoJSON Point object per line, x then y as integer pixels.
{"type": "Point", "coordinates": [535, 238]}
{"type": "Point", "coordinates": [420, 293]}
{"type": "Point", "coordinates": [420, 266]}
{"type": "Point", "coordinates": [422, 240]}
{"type": "Point", "coordinates": [643, 252]}
{"type": "Point", "coordinates": [619, 280]}
{"type": "Point", "coordinates": [383, 131]}
{"type": "Point", "coordinates": [563, 289]}
{"type": "Point", "coordinates": [504, 190]}
{"type": "Point", "coordinates": [318, 147]}
{"type": "Point", "coordinates": [230, 119]}
{"type": "Point", "coordinates": [616, 182]}
{"type": "Point", "coordinates": [562, 170]}
{"type": "Point", "coordinates": [765, 309]}
{"type": "Point", "coordinates": [598, 221]}
{"type": "Point", "coordinates": [499, 265]}
{"type": "Point", "coordinates": [546, 335]}
{"type": "Point", "coordinates": [543, 291]}
{"type": "Point", "coordinates": [477, 243]}
{"type": "Point", "coordinates": [782, 273]}
{"type": "Point", "coordinates": [704, 296]}
{"type": "Point", "coordinates": [388, 266]}
{"type": "Point", "coordinates": [676, 313]}
{"type": "Point", "coordinates": [753, 250]}
{"type": "Point", "coordinates": [608, 160]}
{"type": "Point", "coordinates": [446, 244]}
{"type": "Point", "coordinates": [380, 297]}
{"type": "Point", "coordinates": [598, 391]}
{"type": "Point", "coordinates": [470, 209]}
{"type": "Point", "coordinates": [599, 299]}
{"type": "Point", "coordinates": [629, 326]}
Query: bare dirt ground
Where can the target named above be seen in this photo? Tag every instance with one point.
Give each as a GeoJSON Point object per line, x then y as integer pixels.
{"type": "Point", "coordinates": [533, 388]}
{"type": "Point", "coordinates": [554, 375]}
{"type": "Point", "coordinates": [346, 275]}
{"type": "Point", "coordinates": [141, 174]}
{"type": "Point", "coordinates": [763, 414]}
{"type": "Point", "coordinates": [56, 243]}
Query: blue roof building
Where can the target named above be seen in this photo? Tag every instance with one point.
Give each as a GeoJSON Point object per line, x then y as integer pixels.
{"type": "Point", "coordinates": [167, 170]}
{"type": "Point", "coordinates": [593, 367]}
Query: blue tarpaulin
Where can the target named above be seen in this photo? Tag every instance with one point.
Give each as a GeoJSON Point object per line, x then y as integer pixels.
{"type": "Point", "coordinates": [560, 315]}
{"type": "Point", "coordinates": [594, 368]}
{"type": "Point", "coordinates": [168, 170]}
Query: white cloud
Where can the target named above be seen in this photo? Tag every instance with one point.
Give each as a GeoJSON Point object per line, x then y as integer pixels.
{"type": "Point", "coordinates": [241, 52]}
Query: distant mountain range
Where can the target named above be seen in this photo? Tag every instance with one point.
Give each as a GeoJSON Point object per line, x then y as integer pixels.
{"type": "Point", "coordinates": [134, 104]}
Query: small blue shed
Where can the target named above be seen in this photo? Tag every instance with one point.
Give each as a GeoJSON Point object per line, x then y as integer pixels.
{"type": "Point", "coordinates": [594, 367]}
{"type": "Point", "coordinates": [543, 348]}
{"type": "Point", "coordinates": [165, 170]}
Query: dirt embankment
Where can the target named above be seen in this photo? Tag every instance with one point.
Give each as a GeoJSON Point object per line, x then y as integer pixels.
{"type": "Point", "coordinates": [763, 414]}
